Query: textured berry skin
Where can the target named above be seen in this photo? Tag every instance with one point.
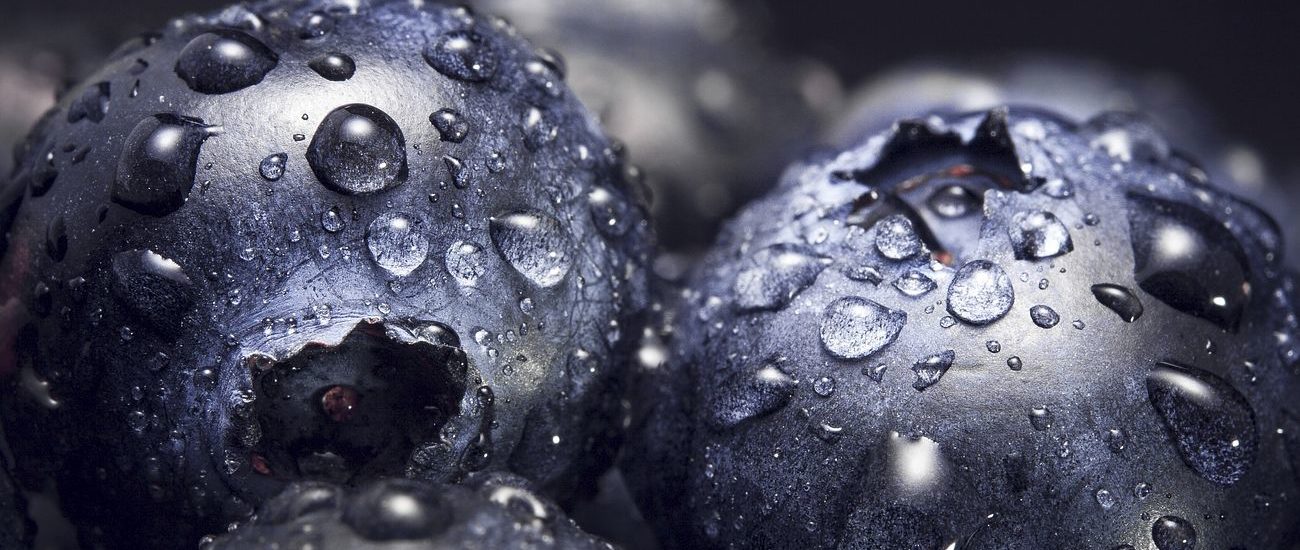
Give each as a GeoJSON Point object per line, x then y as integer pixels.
{"type": "Point", "coordinates": [882, 378]}
{"type": "Point", "coordinates": [484, 512]}
{"type": "Point", "coordinates": [235, 259]}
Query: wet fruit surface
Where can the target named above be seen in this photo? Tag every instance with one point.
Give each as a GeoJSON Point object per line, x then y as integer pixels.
{"type": "Point", "coordinates": [484, 512]}
{"type": "Point", "coordinates": [988, 331]}
{"type": "Point", "coordinates": [307, 241]}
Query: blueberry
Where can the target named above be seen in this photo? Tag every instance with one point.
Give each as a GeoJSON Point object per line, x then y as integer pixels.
{"type": "Point", "coordinates": [484, 512]}
{"type": "Point", "coordinates": [236, 258]}
{"type": "Point", "coordinates": [1146, 317]}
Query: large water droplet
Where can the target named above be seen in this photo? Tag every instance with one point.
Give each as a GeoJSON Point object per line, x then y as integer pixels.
{"type": "Point", "coordinates": [156, 170]}
{"type": "Point", "coordinates": [91, 105]}
{"type": "Point", "coordinates": [333, 66]}
{"type": "Point", "coordinates": [772, 277]}
{"type": "Point", "coordinates": [855, 327]}
{"type": "Point", "coordinates": [465, 262]}
{"type": "Point", "coordinates": [1119, 299]}
{"type": "Point", "coordinates": [1173, 533]}
{"type": "Point", "coordinates": [931, 369]}
{"type": "Point", "coordinates": [1189, 261]}
{"type": "Point", "coordinates": [397, 243]}
{"type": "Point", "coordinates": [223, 61]}
{"type": "Point", "coordinates": [1044, 316]}
{"type": "Point", "coordinates": [750, 394]}
{"type": "Point", "coordinates": [535, 244]}
{"type": "Point", "coordinates": [1211, 424]}
{"type": "Point", "coordinates": [462, 55]}
{"type": "Point", "coordinates": [1038, 234]}
{"type": "Point", "coordinates": [358, 149]}
{"type": "Point", "coordinates": [980, 293]}
{"type": "Point", "coordinates": [154, 288]}
{"type": "Point", "coordinates": [609, 212]}
{"type": "Point", "coordinates": [895, 238]}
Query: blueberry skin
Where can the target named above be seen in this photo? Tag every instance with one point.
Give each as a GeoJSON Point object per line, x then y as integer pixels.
{"type": "Point", "coordinates": [485, 511]}
{"type": "Point", "coordinates": [239, 272]}
{"type": "Point", "coordinates": [822, 398]}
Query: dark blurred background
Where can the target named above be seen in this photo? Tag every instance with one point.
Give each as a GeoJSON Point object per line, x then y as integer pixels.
{"type": "Point", "coordinates": [1241, 58]}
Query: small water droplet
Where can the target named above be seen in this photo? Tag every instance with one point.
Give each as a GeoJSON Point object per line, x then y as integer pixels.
{"type": "Point", "coordinates": [914, 284]}
{"type": "Point", "coordinates": [397, 243]}
{"type": "Point", "coordinates": [954, 201]}
{"type": "Point", "coordinates": [931, 369]}
{"type": "Point", "coordinates": [980, 293]}
{"type": "Point", "coordinates": [609, 212]}
{"type": "Point", "coordinates": [449, 123]}
{"type": "Point", "coordinates": [876, 373]}
{"type": "Point", "coordinates": [993, 346]}
{"type": "Point", "coordinates": [333, 66]}
{"type": "Point", "coordinates": [1104, 499]}
{"type": "Point", "coordinates": [1142, 490]}
{"type": "Point", "coordinates": [332, 220]}
{"type": "Point", "coordinates": [1038, 234]}
{"type": "Point", "coordinates": [855, 327]}
{"type": "Point", "coordinates": [535, 244]}
{"type": "Point", "coordinates": [1015, 363]}
{"type": "Point", "coordinates": [1044, 316]}
{"type": "Point", "coordinates": [462, 55]}
{"type": "Point", "coordinates": [749, 394]}
{"type": "Point", "coordinates": [223, 61]}
{"type": "Point", "coordinates": [272, 167]}
{"type": "Point", "coordinates": [465, 262]}
{"type": "Point", "coordinates": [91, 105]}
{"type": "Point", "coordinates": [772, 277]}
{"type": "Point", "coordinates": [1116, 440]}
{"type": "Point", "coordinates": [1173, 533]}
{"type": "Point", "coordinates": [1119, 299]}
{"type": "Point", "coordinates": [824, 386]}
{"type": "Point", "coordinates": [358, 149]}
{"type": "Point", "coordinates": [895, 238]}
{"type": "Point", "coordinates": [1041, 418]}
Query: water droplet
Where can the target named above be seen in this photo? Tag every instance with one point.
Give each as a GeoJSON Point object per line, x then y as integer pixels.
{"type": "Point", "coordinates": [332, 220]}
{"type": "Point", "coordinates": [1041, 418]}
{"type": "Point", "coordinates": [397, 243]}
{"type": "Point", "coordinates": [1037, 234]}
{"type": "Point", "coordinates": [449, 123]}
{"type": "Point", "coordinates": [272, 167]}
{"type": "Point", "coordinates": [954, 201]}
{"type": "Point", "coordinates": [1015, 363]}
{"type": "Point", "coordinates": [947, 322]}
{"type": "Point", "coordinates": [914, 284]}
{"type": "Point", "coordinates": [1044, 316]}
{"type": "Point", "coordinates": [462, 55]}
{"type": "Point", "coordinates": [895, 238]}
{"type": "Point", "coordinates": [219, 62]}
{"type": "Point", "coordinates": [56, 239]}
{"type": "Point", "coordinates": [1058, 189]}
{"type": "Point", "coordinates": [1118, 299]}
{"type": "Point", "coordinates": [750, 394]}
{"type": "Point", "coordinates": [456, 169]}
{"type": "Point", "coordinates": [993, 346]}
{"type": "Point", "coordinates": [315, 25]}
{"type": "Point", "coordinates": [1211, 424]}
{"type": "Point", "coordinates": [609, 212]}
{"type": "Point", "coordinates": [358, 149]}
{"type": "Point", "coordinates": [159, 157]}
{"type": "Point", "coordinates": [824, 386]}
{"type": "Point", "coordinates": [465, 262]}
{"type": "Point", "coordinates": [1187, 260]}
{"type": "Point", "coordinates": [980, 293]}
{"type": "Point", "coordinates": [1173, 533]}
{"type": "Point", "coordinates": [91, 105]}
{"type": "Point", "coordinates": [864, 273]}
{"type": "Point", "coordinates": [1116, 440]}
{"type": "Point", "coordinates": [535, 244]}
{"type": "Point", "coordinates": [153, 287]}
{"type": "Point", "coordinates": [1104, 499]}
{"type": "Point", "coordinates": [855, 327]}
{"type": "Point", "coordinates": [931, 369]}
{"type": "Point", "coordinates": [876, 373]}
{"type": "Point", "coordinates": [773, 276]}
{"type": "Point", "coordinates": [1142, 490]}
{"type": "Point", "coordinates": [333, 66]}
